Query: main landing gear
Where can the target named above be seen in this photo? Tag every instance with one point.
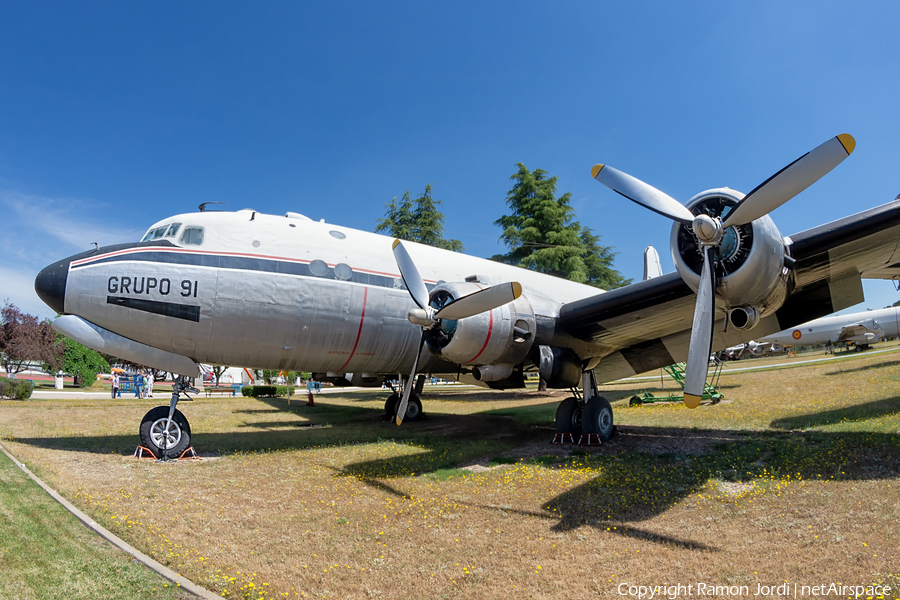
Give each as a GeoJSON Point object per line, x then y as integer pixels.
{"type": "Point", "coordinates": [587, 412]}
{"type": "Point", "coordinates": [413, 407]}
{"type": "Point", "coordinates": [164, 430]}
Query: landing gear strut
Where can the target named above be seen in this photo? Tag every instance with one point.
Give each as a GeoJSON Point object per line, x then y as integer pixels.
{"type": "Point", "coordinates": [164, 430]}
{"type": "Point", "coordinates": [585, 413]}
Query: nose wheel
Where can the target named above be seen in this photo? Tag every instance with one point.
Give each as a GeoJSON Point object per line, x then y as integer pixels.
{"type": "Point", "coordinates": [164, 430]}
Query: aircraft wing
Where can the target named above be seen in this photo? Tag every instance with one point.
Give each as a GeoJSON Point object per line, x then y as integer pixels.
{"type": "Point", "coordinates": [647, 325]}
{"type": "Point", "coordinates": [853, 332]}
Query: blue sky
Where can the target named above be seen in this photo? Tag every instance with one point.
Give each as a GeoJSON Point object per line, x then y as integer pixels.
{"type": "Point", "coordinates": [116, 114]}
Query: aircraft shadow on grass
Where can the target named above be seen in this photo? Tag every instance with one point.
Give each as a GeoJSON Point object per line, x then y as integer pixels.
{"type": "Point", "coordinates": [639, 475]}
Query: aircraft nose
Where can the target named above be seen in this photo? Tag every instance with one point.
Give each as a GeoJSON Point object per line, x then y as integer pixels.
{"type": "Point", "coordinates": [50, 285]}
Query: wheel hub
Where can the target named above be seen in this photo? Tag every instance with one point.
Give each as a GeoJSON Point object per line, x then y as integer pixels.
{"type": "Point", "coordinates": [165, 437]}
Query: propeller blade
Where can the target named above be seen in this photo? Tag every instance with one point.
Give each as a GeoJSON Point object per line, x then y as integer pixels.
{"type": "Point", "coordinates": [701, 333]}
{"type": "Point", "coordinates": [791, 180]}
{"type": "Point", "coordinates": [481, 301]}
{"type": "Point", "coordinates": [644, 194]}
{"type": "Point", "coordinates": [401, 410]}
{"type": "Point", "coordinates": [410, 274]}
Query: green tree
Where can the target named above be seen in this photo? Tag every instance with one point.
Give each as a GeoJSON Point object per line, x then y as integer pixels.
{"type": "Point", "coordinates": [417, 220]}
{"type": "Point", "coordinates": [81, 359]}
{"type": "Point", "coordinates": [543, 235]}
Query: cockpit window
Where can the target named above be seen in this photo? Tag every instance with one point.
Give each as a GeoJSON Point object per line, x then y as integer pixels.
{"type": "Point", "coordinates": [192, 236]}
{"type": "Point", "coordinates": [168, 230]}
{"type": "Point", "coordinates": [155, 234]}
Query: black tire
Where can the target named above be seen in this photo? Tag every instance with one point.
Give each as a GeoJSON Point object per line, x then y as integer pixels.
{"type": "Point", "coordinates": [568, 416]}
{"type": "Point", "coordinates": [635, 401]}
{"type": "Point", "coordinates": [413, 409]}
{"type": "Point", "coordinates": [597, 417]}
{"type": "Point", "coordinates": [390, 405]}
{"type": "Point", "coordinates": [152, 432]}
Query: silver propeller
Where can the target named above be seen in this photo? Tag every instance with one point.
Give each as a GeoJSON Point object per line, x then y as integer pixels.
{"type": "Point", "coordinates": [459, 308]}
{"type": "Point", "coordinates": [766, 197]}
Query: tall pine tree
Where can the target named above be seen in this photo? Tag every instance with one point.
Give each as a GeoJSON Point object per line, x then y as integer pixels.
{"type": "Point", "coordinates": [543, 235]}
{"type": "Point", "coordinates": [417, 220]}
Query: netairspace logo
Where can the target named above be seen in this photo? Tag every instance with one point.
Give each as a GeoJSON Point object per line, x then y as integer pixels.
{"type": "Point", "coordinates": [786, 590]}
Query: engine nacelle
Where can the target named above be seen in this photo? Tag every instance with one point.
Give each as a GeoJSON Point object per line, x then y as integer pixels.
{"type": "Point", "coordinates": [502, 336]}
{"type": "Point", "coordinates": [750, 259]}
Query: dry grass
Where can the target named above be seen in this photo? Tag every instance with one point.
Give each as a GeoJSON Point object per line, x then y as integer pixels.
{"type": "Point", "coordinates": [793, 478]}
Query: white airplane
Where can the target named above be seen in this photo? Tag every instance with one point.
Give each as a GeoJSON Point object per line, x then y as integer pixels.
{"type": "Point", "coordinates": [288, 293]}
{"type": "Point", "coordinates": [753, 347]}
{"type": "Point", "coordinates": [859, 329]}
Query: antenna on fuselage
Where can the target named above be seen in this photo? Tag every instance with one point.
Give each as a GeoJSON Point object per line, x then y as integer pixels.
{"type": "Point", "coordinates": [203, 206]}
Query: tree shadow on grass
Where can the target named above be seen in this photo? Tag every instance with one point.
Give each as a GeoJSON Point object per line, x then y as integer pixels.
{"type": "Point", "coordinates": [858, 412]}
{"type": "Point", "coordinates": [861, 369]}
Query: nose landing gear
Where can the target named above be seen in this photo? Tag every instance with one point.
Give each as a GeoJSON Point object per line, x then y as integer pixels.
{"type": "Point", "coordinates": [164, 430]}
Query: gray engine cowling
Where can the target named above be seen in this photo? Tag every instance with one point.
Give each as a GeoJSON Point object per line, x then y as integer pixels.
{"type": "Point", "coordinates": [502, 336]}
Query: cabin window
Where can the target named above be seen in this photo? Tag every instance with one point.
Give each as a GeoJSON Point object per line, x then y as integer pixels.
{"type": "Point", "coordinates": [318, 268]}
{"type": "Point", "coordinates": [343, 271]}
{"type": "Point", "coordinates": [192, 236]}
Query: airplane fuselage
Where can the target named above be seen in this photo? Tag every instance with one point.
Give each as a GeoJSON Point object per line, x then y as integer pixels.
{"type": "Point", "coordinates": [310, 295]}
{"type": "Point", "coordinates": [875, 326]}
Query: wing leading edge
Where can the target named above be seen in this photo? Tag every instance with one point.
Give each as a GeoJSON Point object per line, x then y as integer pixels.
{"type": "Point", "coordinates": [647, 325]}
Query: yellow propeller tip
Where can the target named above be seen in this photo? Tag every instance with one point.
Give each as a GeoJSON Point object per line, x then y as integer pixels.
{"type": "Point", "coordinates": [692, 401]}
{"type": "Point", "coordinates": [399, 420]}
{"type": "Point", "coordinates": [394, 245]}
{"type": "Point", "coordinates": [848, 142]}
{"type": "Point", "coordinates": [595, 170]}
{"type": "Point", "coordinates": [516, 289]}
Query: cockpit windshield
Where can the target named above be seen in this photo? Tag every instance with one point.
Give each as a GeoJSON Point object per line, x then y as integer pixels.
{"type": "Point", "coordinates": [169, 230]}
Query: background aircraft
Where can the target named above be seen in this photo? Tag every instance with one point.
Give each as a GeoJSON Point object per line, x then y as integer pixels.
{"type": "Point", "coordinates": [261, 291]}
{"type": "Point", "coordinates": [859, 329]}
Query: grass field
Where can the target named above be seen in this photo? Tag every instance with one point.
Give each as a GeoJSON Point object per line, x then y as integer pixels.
{"type": "Point", "coordinates": [46, 553]}
{"type": "Point", "coordinates": [794, 477]}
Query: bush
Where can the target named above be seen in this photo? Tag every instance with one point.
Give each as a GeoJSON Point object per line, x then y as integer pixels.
{"type": "Point", "coordinates": [23, 390]}
{"type": "Point", "coordinates": [266, 391]}
{"type": "Point", "coordinates": [16, 389]}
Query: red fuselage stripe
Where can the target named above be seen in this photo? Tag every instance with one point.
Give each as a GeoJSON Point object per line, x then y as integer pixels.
{"type": "Point", "coordinates": [358, 333]}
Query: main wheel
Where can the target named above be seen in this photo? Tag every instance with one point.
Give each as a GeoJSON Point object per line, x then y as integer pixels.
{"type": "Point", "coordinates": [165, 442]}
{"type": "Point", "coordinates": [568, 416]}
{"type": "Point", "coordinates": [390, 405]}
{"type": "Point", "coordinates": [597, 417]}
{"type": "Point", "coordinates": [413, 409]}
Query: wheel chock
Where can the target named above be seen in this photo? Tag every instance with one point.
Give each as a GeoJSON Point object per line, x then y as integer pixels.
{"type": "Point", "coordinates": [590, 439]}
{"type": "Point", "coordinates": [141, 452]}
{"type": "Point", "coordinates": [563, 438]}
{"type": "Point", "coordinates": [193, 456]}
